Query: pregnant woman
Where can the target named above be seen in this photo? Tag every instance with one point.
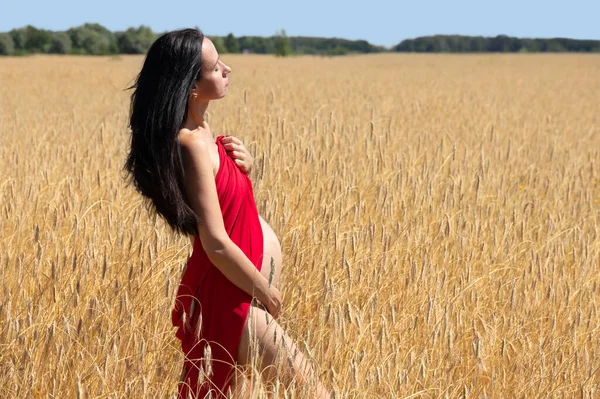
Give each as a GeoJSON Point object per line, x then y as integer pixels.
{"type": "Point", "coordinates": [228, 301]}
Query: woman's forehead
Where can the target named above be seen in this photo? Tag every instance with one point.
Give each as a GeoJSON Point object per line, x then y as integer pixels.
{"type": "Point", "coordinates": [209, 52]}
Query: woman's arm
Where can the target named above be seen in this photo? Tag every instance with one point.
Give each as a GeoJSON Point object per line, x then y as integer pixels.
{"type": "Point", "coordinates": [201, 192]}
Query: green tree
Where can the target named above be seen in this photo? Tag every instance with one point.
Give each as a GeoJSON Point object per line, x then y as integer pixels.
{"type": "Point", "coordinates": [231, 44]}
{"type": "Point", "coordinates": [339, 50]}
{"type": "Point", "coordinates": [135, 41]}
{"type": "Point", "coordinates": [282, 44]}
{"type": "Point", "coordinates": [219, 44]}
{"type": "Point", "coordinates": [264, 45]}
{"type": "Point", "coordinates": [256, 44]}
{"type": "Point", "coordinates": [476, 44]}
{"type": "Point", "coordinates": [514, 44]}
{"type": "Point", "coordinates": [7, 45]}
{"type": "Point", "coordinates": [37, 40]}
{"type": "Point", "coordinates": [61, 43]}
{"type": "Point", "coordinates": [18, 36]}
{"type": "Point", "coordinates": [93, 39]}
{"type": "Point", "coordinates": [555, 46]}
{"type": "Point", "coordinates": [247, 44]}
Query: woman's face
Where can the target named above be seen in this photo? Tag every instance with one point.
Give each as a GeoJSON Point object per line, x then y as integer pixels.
{"type": "Point", "coordinates": [214, 83]}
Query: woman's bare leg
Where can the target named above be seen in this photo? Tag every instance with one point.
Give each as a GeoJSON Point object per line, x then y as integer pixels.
{"type": "Point", "coordinates": [240, 385]}
{"type": "Point", "coordinates": [264, 337]}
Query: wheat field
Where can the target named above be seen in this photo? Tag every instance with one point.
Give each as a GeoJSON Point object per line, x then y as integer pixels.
{"type": "Point", "coordinates": [438, 214]}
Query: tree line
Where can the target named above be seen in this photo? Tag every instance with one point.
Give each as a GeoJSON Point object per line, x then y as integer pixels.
{"type": "Point", "coordinates": [95, 39]}
{"type": "Point", "coordinates": [497, 44]}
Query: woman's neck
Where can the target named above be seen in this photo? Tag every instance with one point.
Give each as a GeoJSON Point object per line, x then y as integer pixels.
{"type": "Point", "coordinates": [195, 116]}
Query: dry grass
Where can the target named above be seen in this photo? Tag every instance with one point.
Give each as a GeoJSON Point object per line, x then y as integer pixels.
{"type": "Point", "coordinates": [439, 217]}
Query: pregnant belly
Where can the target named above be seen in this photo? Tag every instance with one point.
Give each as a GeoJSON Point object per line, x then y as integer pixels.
{"type": "Point", "coordinates": [272, 248]}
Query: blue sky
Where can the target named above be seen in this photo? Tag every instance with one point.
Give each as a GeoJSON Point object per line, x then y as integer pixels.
{"type": "Point", "coordinates": [380, 22]}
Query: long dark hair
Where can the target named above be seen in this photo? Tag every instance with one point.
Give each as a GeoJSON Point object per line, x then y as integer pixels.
{"type": "Point", "coordinates": [158, 109]}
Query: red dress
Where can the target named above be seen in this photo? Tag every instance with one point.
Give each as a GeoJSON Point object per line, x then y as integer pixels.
{"type": "Point", "coordinates": [205, 294]}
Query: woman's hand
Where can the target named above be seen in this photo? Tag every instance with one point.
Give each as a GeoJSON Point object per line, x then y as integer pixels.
{"type": "Point", "coordinates": [239, 153]}
{"type": "Point", "coordinates": [272, 302]}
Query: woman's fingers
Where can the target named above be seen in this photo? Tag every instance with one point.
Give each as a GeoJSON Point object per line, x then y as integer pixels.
{"type": "Point", "coordinates": [231, 139]}
{"type": "Point", "coordinates": [237, 154]}
{"type": "Point", "coordinates": [231, 146]}
{"type": "Point", "coordinates": [236, 147]}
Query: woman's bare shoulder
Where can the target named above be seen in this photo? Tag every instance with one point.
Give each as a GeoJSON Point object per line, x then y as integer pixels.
{"type": "Point", "coordinates": [196, 147]}
{"type": "Point", "coordinates": [189, 138]}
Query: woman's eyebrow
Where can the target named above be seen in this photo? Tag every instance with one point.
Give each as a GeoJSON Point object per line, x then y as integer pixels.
{"type": "Point", "coordinates": [218, 58]}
